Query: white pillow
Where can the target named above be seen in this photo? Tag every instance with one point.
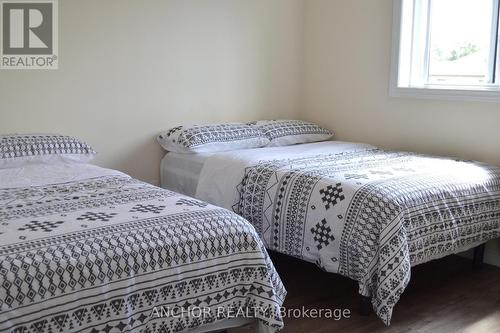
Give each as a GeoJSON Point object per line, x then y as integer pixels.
{"type": "Point", "coordinates": [212, 138]}
{"type": "Point", "coordinates": [290, 132]}
{"type": "Point", "coordinates": [19, 149]}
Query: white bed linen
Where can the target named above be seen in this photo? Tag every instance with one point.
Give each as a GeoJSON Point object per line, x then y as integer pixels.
{"type": "Point", "coordinates": [362, 212]}
{"type": "Point", "coordinates": [46, 173]}
{"type": "Point", "coordinates": [181, 172]}
{"type": "Point", "coordinates": [228, 168]}
{"type": "Point", "coordinates": [52, 214]}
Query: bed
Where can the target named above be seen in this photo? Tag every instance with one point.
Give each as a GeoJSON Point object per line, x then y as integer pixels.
{"type": "Point", "coordinates": [181, 172]}
{"type": "Point", "coordinates": [87, 249]}
{"type": "Point", "coordinates": [354, 209]}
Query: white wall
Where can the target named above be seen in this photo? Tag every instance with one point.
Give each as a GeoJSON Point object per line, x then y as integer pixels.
{"type": "Point", "coordinates": [129, 69]}
{"type": "Point", "coordinates": [347, 48]}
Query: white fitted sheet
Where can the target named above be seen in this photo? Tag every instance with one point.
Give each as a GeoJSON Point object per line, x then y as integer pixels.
{"type": "Point", "coordinates": [181, 172]}
{"type": "Point", "coordinates": [40, 174]}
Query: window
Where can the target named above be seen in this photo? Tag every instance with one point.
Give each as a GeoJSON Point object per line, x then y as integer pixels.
{"type": "Point", "coordinates": [446, 49]}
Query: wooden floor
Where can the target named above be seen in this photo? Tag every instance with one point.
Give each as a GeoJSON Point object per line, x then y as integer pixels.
{"type": "Point", "coordinates": [446, 295]}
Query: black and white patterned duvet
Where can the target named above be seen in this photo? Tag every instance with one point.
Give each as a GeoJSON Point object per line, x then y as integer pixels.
{"type": "Point", "coordinates": [367, 214]}
{"type": "Point", "coordinates": [112, 254]}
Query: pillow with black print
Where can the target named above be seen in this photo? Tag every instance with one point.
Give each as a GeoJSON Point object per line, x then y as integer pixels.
{"type": "Point", "coordinates": [19, 149]}
{"type": "Point", "coordinates": [291, 132]}
{"type": "Point", "coordinates": [212, 138]}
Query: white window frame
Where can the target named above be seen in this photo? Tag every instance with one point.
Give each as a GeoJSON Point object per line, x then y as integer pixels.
{"type": "Point", "coordinates": [488, 93]}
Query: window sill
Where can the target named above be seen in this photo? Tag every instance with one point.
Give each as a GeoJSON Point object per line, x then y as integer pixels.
{"type": "Point", "coordinates": [490, 94]}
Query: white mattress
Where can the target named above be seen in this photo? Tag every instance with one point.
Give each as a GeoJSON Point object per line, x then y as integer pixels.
{"type": "Point", "coordinates": [181, 172]}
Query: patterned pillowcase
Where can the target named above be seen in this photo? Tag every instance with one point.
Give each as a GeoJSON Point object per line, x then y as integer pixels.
{"type": "Point", "coordinates": [290, 132]}
{"type": "Point", "coordinates": [211, 138]}
{"type": "Point", "coordinates": [17, 150]}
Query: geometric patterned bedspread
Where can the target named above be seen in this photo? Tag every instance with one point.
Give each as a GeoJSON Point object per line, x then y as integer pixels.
{"type": "Point", "coordinates": [113, 254]}
{"type": "Point", "coordinates": [371, 214]}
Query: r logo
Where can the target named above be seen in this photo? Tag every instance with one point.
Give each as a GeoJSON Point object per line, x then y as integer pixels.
{"type": "Point", "coordinates": [27, 28]}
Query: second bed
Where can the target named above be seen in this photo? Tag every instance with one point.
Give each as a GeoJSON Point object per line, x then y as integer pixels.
{"type": "Point", "coordinates": [352, 209]}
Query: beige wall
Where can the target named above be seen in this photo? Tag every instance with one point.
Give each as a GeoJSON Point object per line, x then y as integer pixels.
{"type": "Point", "coordinates": [346, 82]}
{"type": "Point", "coordinates": [131, 68]}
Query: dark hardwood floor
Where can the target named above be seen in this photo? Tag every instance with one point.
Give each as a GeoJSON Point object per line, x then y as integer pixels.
{"type": "Point", "coordinates": [444, 296]}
